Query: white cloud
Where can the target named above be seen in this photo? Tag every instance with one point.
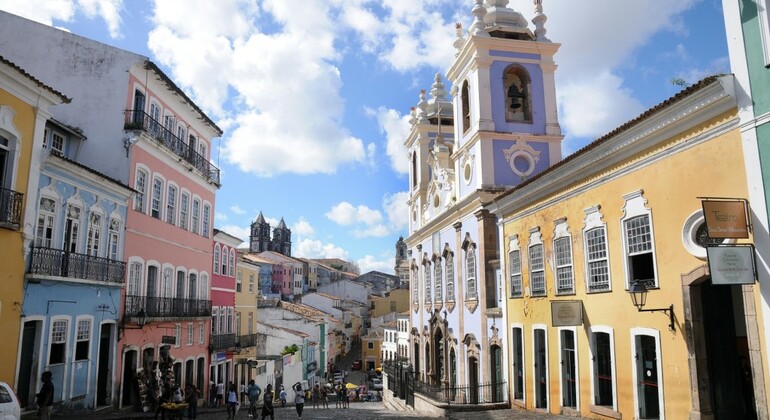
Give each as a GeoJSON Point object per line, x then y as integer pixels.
{"type": "Point", "coordinates": [237, 209]}
{"type": "Point", "coordinates": [311, 248]}
{"type": "Point", "coordinates": [109, 10]}
{"type": "Point", "coordinates": [397, 210]}
{"type": "Point", "coordinates": [396, 128]}
{"type": "Point", "coordinates": [220, 217]}
{"type": "Point", "coordinates": [46, 11]}
{"type": "Point", "coordinates": [303, 228]}
{"type": "Point", "coordinates": [346, 214]}
{"type": "Point", "coordinates": [370, 263]}
{"type": "Point", "coordinates": [239, 232]}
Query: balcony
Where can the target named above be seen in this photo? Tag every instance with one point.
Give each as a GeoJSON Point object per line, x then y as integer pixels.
{"type": "Point", "coordinates": [167, 307]}
{"type": "Point", "coordinates": [222, 342]}
{"type": "Point", "coordinates": [249, 340]}
{"type": "Point", "coordinates": [10, 209]}
{"type": "Point", "coordinates": [140, 120]}
{"type": "Point", "coordinates": [59, 263]}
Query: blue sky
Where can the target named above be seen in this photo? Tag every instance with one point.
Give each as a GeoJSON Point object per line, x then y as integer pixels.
{"type": "Point", "coordinates": [313, 95]}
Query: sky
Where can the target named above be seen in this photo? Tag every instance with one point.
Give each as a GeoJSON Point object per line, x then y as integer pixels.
{"type": "Point", "coordinates": [314, 95]}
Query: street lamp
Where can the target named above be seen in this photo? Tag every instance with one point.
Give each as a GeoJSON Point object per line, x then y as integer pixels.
{"type": "Point", "coordinates": [638, 291]}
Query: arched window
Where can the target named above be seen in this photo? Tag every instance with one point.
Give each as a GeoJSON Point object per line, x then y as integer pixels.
{"type": "Point", "coordinates": [470, 269]}
{"type": "Point", "coordinates": [518, 99]}
{"type": "Point", "coordinates": [204, 286]}
{"type": "Point", "coordinates": [113, 239]}
{"type": "Point", "coordinates": [438, 278]}
{"type": "Point", "coordinates": [94, 234]}
{"type": "Point", "coordinates": [167, 282]}
{"type": "Point", "coordinates": [223, 271]}
{"type": "Point", "coordinates": [45, 223]}
{"type": "Point", "coordinates": [193, 289]}
{"type": "Point", "coordinates": [450, 276]}
{"type": "Point", "coordinates": [465, 106]}
{"type": "Point", "coordinates": [140, 185]}
{"type": "Point", "coordinates": [427, 282]}
{"type": "Point", "coordinates": [231, 273]}
{"type": "Point", "coordinates": [216, 258]}
{"type": "Point", "coordinates": [414, 170]}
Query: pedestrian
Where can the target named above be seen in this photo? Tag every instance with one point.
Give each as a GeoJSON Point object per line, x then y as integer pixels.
{"type": "Point", "coordinates": [220, 394]}
{"type": "Point", "coordinates": [324, 398]}
{"type": "Point", "coordinates": [45, 396]}
{"type": "Point", "coordinates": [232, 401]}
{"type": "Point", "coordinates": [192, 401]}
{"type": "Point", "coordinates": [212, 394]}
{"type": "Point", "coordinates": [253, 392]}
{"type": "Point", "coordinates": [299, 399]}
{"type": "Point", "coordinates": [282, 396]}
{"type": "Point", "coordinates": [316, 395]}
{"type": "Point", "coordinates": [267, 407]}
{"type": "Point", "coordinates": [243, 393]}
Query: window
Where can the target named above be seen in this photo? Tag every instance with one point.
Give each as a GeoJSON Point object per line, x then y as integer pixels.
{"type": "Point", "coordinates": [184, 199]}
{"type": "Point", "coordinates": [597, 261]}
{"type": "Point", "coordinates": [58, 351]}
{"type": "Point", "coordinates": [237, 323]}
{"type": "Point", "coordinates": [231, 273]}
{"type": "Point", "coordinates": [437, 278]}
{"type": "Point", "coordinates": [196, 210]}
{"type": "Point", "coordinates": [214, 320]}
{"type": "Point", "coordinates": [180, 283]}
{"type": "Point", "coordinates": [216, 258]}
{"type": "Point", "coordinates": [603, 369]}
{"type": "Point", "coordinates": [152, 281]}
{"type": "Point", "coordinates": [764, 29]}
{"type": "Point", "coordinates": [56, 141]}
{"type": "Point", "coordinates": [537, 270]}
{"type": "Point", "coordinates": [193, 289]}
{"type": "Point", "coordinates": [72, 228]}
{"type": "Point", "coordinates": [94, 234]}
{"type": "Point", "coordinates": [223, 271]}
{"type": "Point", "coordinates": [514, 258]}
{"type": "Point", "coordinates": [167, 283]}
{"type": "Point", "coordinates": [251, 323]}
{"type": "Point", "coordinates": [201, 332]}
{"type": "Point", "coordinates": [202, 150]}
{"type": "Point", "coordinates": [251, 282]}
{"type": "Point", "coordinates": [140, 185]}
{"type": "Point", "coordinates": [450, 276]}
{"type": "Point", "coordinates": [415, 286]}
{"type": "Point", "coordinates": [178, 335]}
{"type": "Point", "coordinates": [427, 281]}
{"type": "Point", "coordinates": [204, 287]}
{"type": "Point", "coordinates": [370, 345]}
{"type": "Point", "coordinates": [171, 205]}
{"type": "Point", "coordinates": [518, 363]}
{"type": "Point", "coordinates": [190, 333]}
{"type": "Point", "coordinates": [470, 269]}
{"type": "Point", "coordinates": [466, 108]}
{"type": "Point", "coordinates": [206, 215]}
{"type": "Point", "coordinates": [45, 221]}
{"type": "Point", "coordinates": [239, 281]}
{"type": "Point", "coordinates": [114, 239]}
{"type": "Point", "coordinates": [638, 237]}
{"type": "Point", "coordinates": [562, 245]}
{"type": "Point", "coordinates": [134, 278]}
{"type": "Point", "coordinates": [157, 194]}
{"type": "Point", "coordinates": [83, 339]}
{"type": "Point", "coordinates": [516, 83]}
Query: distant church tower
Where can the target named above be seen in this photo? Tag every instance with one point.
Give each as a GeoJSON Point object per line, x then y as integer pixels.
{"type": "Point", "coordinates": [259, 238]}
{"type": "Point", "coordinates": [282, 239]}
{"type": "Point", "coordinates": [402, 262]}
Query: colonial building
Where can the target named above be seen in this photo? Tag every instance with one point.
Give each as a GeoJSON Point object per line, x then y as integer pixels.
{"type": "Point", "coordinates": [24, 103]}
{"type": "Point", "coordinates": [615, 307]}
{"type": "Point", "coordinates": [246, 295]}
{"type": "Point", "coordinates": [225, 320]}
{"type": "Point", "coordinates": [143, 131]}
{"type": "Point", "coordinates": [498, 129]}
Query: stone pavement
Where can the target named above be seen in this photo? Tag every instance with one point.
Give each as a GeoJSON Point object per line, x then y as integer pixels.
{"type": "Point", "coordinates": [368, 411]}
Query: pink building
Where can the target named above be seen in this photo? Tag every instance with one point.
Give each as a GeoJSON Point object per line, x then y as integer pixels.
{"type": "Point", "coordinates": [223, 333]}
{"type": "Point", "coordinates": [167, 312]}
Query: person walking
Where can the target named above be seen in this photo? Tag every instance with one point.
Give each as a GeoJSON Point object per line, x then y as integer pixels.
{"type": "Point", "coordinates": [45, 396]}
{"type": "Point", "coordinates": [299, 399]}
{"type": "Point", "coordinates": [282, 397]}
{"type": "Point", "coordinates": [253, 391]}
{"type": "Point", "coordinates": [324, 397]}
{"type": "Point", "coordinates": [267, 408]}
{"type": "Point", "coordinates": [232, 401]}
{"type": "Point", "coordinates": [316, 395]}
{"type": "Point", "coordinates": [191, 398]}
{"type": "Point", "coordinates": [220, 394]}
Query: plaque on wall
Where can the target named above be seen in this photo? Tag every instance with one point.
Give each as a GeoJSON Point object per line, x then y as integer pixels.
{"type": "Point", "coordinates": [566, 313]}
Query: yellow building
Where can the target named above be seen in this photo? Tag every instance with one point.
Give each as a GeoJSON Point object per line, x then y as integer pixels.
{"type": "Point", "coordinates": [24, 103]}
{"type": "Point", "coordinates": [371, 349]}
{"type": "Point", "coordinates": [625, 214]}
{"type": "Point", "coordinates": [246, 291]}
{"type": "Point", "coordinates": [397, 300]}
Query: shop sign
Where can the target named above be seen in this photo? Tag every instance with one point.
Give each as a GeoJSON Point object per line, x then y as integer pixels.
{"type": "Point", "coordinates": [726, 219]}
{"type": "Point", "coordinates": [311, 366]}
{"type": "Point", "coordinates": [566, 313]}
{"type": "Point", "coordinates": [221, 356]}
{"type": "Point", "coordinates": [731, 264]}
{"type": "Point", "coordinates": [168, 339]}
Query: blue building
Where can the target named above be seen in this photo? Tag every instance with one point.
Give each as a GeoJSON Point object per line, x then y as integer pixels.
{"type": "Point", "coordinates": [70, 322]}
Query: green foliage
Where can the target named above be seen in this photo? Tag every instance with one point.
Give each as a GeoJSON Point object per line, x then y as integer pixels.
{"type": "Point", "coordinates": [290, 349]}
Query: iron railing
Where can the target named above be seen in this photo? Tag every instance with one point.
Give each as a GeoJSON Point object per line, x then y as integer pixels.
{"type": "Point", "coordinates": [140, 120]}
{"type": "Point", "coordinates": [223, 342]}
{"type": "Point", "coordinates": [60, 263]}
{"type": "Point", "coordinates": [463, 395]}
{"type": "Point", "coordinates": [160, 307]}
{"type": "Point", "coordinates": [10, 208]}
{"type": "Point", "coordinates": [249, 340]}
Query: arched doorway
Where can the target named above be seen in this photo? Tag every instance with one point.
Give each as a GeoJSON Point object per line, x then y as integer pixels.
{"type": "Point", "coordinates": [438, 358]}
{"type": "Point", "coordinates": [497, 373]}
{"type": "Point", "coordinates": [473, 380]}
{"type": "Point", "coordinates": [130, 394]}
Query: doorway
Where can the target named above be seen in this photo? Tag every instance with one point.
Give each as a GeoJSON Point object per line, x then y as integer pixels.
{"type": "Point", "coordinates": [473, 380]}
{"type": "Point", "coordinates": [28, 372]}
{"type": "Point", "coordinates": [568, 369]}
{"type": "Point", "coordinates": [497, 373]}
{"type": "Point", "coordinates": [104, 367]}
{"type": "Point", "coordinates": [647, 362]}
{"type": "Point", "coordinates": [129, 384]}
{"type": "Point", "coordinates": [541, 369]}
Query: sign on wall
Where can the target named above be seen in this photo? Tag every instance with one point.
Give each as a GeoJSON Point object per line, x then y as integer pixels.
{"type": "Point", "coordinates": [731, 264]}
{"type": "Point", "coordinates": [566, 313]}
{"type": "Point", "coordinates": [168, 339]}
{"type": "Point", "coordinates": [726, 219]}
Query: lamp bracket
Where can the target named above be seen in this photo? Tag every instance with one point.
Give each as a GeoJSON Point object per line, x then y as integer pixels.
{"type": "Point", "coordinates": [669, 311]}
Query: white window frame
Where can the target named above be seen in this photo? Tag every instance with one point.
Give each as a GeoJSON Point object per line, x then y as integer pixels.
{"type": "Point", "coordinates": [94, 238]}
{"type": "Point", "coordinates": [613, 367]}
{"type": "Point", "coordinates": [636, 206]}
{"type": "Point", "coordinates": [547, 408]}
{"type": "Point", "coordinates": [9, 132]}
{"type": "Point", "coordinates": [78, 338]}
{"type": "Point", "coordinates": [184, 210]}
{"type": "Point", "coordinates": [415, 284]}
{"type": "Point", "coordinates": [231, 269]}
{"type": "Point", "coordinates": [206, 219]}
{"type": "Point", "coordinates": [564, 264]}
{"type": "Point", "coordinates": [178, 335]}
{"type": "Point", "coordinates": [449, 269]}
{"type": "Point", "coordinates": [203, 286]}
{"type": "Point", "coordinates": [251, 282]}
{"type": "Point", "coordinates": [156, 197]}
{"type": "Point", "coordinates": [55, 320]}
{"type": "Point", "coordinates": [113, 238]}
{"type": "Point", "coordinates": [523, 398]}
{"type": "Point", "coordinates": [46, 224]}
{"type": "Point", "coordinates": [516, 283]}
{"type": "Point", "coordinates": [764, 29]}
{"type": "Point", "coordinates": [577, 366]}
{"type": "Point", "coordinates": [427, 282]}
{"type": "Point", "coordinates": [239, 281]}
{"type": "Point", "coordinates": [196, 215]}
{"type": "Point", "coordinates": [192, 292]}
{"type": "Point", "coordinates": [140, 185]}
{"type": "Point", "coordinates": [190, 333]}
{"type": "Point", "coordinates": [217, 257]}
{"type": "Point", "coordinates": [73, 206]}
{"type": "Point", "coordinates": [201, 332]}
{"type": "Point", "coordinates": [471, 273]}
{"type": "Point", "coordinates": [167, 281]}
{"type": "Point", "coordinates": [135, 277]}
{"type": "Point", "coordinates": [593, 223]}
{"type": "Point", "coordinates": [438, 292]}
{"type": "Point", "coordinates": [536, 265]}
{"type": "Point", "coordinates": [172, 192]}
{"type": "Point", "coordinates": [658, 361]}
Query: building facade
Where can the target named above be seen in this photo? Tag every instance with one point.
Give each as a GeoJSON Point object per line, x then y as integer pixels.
{"type": "Point", "coordinates": [587, 237]}
{"type": "Point", "coordinates": [260, 239]}
{"type": "Point", "coordinates": [499, 129]}
{"type": "Point", "coordinates": [225, 320]}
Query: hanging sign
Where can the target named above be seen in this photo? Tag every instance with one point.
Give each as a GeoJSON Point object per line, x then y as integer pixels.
{"type": "Point", "coordinates": [168, 339]}
{"type": "Point", "coordinates": [566, 313]}
{"type": "Point", "coordinates": [731, 264]}
{"type": "Point", "coordinates": [726, 219]}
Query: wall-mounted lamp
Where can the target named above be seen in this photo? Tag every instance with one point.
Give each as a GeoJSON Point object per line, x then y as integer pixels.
{"type": "Point", "coordinates": [638, 292]}
{"type": "Point", "coordinates": [141, 321]}
{"type": "Point", "coordinates": [128, 142]}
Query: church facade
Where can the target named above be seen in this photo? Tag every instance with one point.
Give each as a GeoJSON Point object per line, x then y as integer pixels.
{"type": "Point", "coordinates": [260, 239]}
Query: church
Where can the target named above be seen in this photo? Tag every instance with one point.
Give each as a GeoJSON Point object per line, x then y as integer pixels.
{"type": "Point", "coordinates": [260, 240]}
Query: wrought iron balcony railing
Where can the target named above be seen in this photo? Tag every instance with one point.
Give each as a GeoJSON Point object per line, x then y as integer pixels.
{"type": "Point", "coordinates": [464, 395]}
{"type": "Point", "coordinates": [249, 340]}
{"type": "Point", "coordinates": [223, 342]}
{"type": "Point", "coordinates": [56, 262]}
{"type": "Point", "coordinates": [10, 209]}
{"type": "Point", "coordinates": [140, 120]}
{"type": "Point", "coordinates": [167, 307]}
